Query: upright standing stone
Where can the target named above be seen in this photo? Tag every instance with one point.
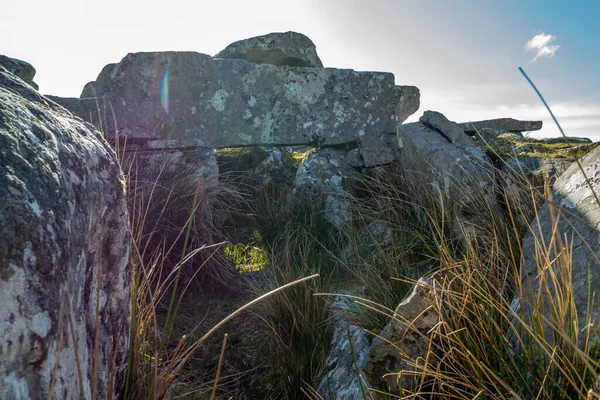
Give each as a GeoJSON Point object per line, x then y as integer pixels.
{"type": "Point", "coordinates": [64, 254]}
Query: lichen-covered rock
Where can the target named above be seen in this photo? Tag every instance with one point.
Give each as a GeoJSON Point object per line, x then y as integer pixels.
{"type": "Point", "coordinates": [20, 68]}
{"type": "Point", "coordinates": [461, 176]}
{"type": "Point", "coordinates": [568, 230]}
{"type": "Point", "coordinates": [347, 355]}
{"type": "Point", "coordinates": [409, 103]}
{"type": "Point", "coordinates": [405, 340]}
{"type": "Point", "coordinates": [502, 124]}
{"type": "Point", "coordinates": [320, 178]}
{"type": "Point", "coordinates": [231, 103]}
{"type": "Point", "coordinates": [64, 253]}
{"type": "Point", "coordinates": [279, 48]}
{"type": "Point", "coordinates": [449, 129]}
{"type": "Point", "coordinates": [378, 149]}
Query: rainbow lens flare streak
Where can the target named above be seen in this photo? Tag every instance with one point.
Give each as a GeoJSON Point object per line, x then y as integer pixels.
{"type": "Point", "coordinates": [164, 91]}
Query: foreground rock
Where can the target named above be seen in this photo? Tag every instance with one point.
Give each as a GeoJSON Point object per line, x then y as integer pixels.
{"type": "Point", "coordinates": [576, 213]}
{"type": "Point", "coordinates": [64, 253]}
{"type": "Point", "coordinates": [231, 103]}
{"type": "Point", "coordinates": [287, 48]}
{"type": "Point", "coordinates": [501, 124]}
{"type": "Point", "coordinates": [439, 164]}
{"type": "Point", "coordinates": [405, 340]}
{"type": "Point", "coordinates": [20, 68]}
{"type": "Point", "coordinates": [349, 346]}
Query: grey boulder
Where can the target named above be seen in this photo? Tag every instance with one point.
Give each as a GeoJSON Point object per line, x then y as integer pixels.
{"type": "Point", "coordinates": [279, 48]}
{"type": "Point", "coordinates": [348, 350]}
{"type": "Point", "coordinates": [569, 224]}
{"type": "Point", "coordinates": [448, 129]}
{"type": "Point", "coordinates": [503, 124]}
{"type": "Point", "coordinates": [405, 340]}
{"type": "Point", "coordinates": [461, 176]}
{"type": "Point", "coordinates": [64, 253]}
{"type": "Point", "coordinates": [20, 68]}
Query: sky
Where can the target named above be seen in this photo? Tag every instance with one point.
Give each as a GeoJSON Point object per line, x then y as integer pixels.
{"type": "Point", "coordinates": [462, 54]}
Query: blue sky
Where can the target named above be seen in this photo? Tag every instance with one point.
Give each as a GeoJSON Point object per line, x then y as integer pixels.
{"type": "Point", "coordinates": [463, 55]}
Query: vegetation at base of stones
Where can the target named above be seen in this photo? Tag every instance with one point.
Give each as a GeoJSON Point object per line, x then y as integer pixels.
{"type": "Point", "coordinates": [504, 146]}
{"type": "Point", "coordinates": [500, 306]}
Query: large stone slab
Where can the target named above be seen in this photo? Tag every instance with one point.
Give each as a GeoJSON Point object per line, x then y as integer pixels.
{"type": "Point", "coordinates": [570, 223]}
{"type": "Point", "coordinates": [501, 124]}
{"type": "Point", "coordinates": [64, 253]}
{"type": "Point", "coordinates": [229, 103]}
{"type": "Point", "coordinates": [279, 48]}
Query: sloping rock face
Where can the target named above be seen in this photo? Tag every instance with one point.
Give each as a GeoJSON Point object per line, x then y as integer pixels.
{"type": "Point", "coordinates": [20, 68]}
{"type": "Point", "coordinates": [576, 212]}
{"type": "Point", "coordinates": [64, 253]}
{"type": "Point", "coordinates": [404, 340]}
{"type": "Point", "coordinates": [286, 48]}
{"type": "Point", "coordinates": [231, 103]}
{"type": "Point", "coordinates": [461, 174]}
{"type": "Point", "coordinates": [501, 124]}
{"type": "Point", "coordinates": [349, 346]}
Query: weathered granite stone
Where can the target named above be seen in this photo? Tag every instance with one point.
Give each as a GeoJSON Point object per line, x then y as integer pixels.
{"type": "Point", "coordinates": [229, 103]}
{"type": "Point", "coordinates": [405, 340]}
{"type": "Point", "coordinates": [568, 139]}
{"type": "Point", "coordinates": [460, 176]}
{"type": "Point", "coordinates": [410, 101]}
{"type": "Point", "coordinates": [354, 158]}
{"type": "Point", "coordinates": [273, 168]}
{"type": "Point", "coordinates": [449, 129]}
{"type": "Point", "coordinates": [503, 124]}
{"type": "Point", "coordinates": [20, 68]}
{"type": "Point", "coordinates": [320, 177]}
{"type": "Point", "coordinates": [378, 149]}
{"type": "Point", "coordinates": [349, 346]}
{"type": "Point", "coordinates": [64, 253]}
{"type": "Point", "coordinates": [569, 223]}
{"type": "Point", "coordinates": [279, 48]}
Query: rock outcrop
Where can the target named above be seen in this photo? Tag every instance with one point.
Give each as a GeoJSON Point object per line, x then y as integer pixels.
{"type": "Point", "coordinates": [568, 229]}
{"type": "Point", "coordinates": [20, 68]}
{"type": "Point", "coordinates": [448, 129]}
{"type": "Point", "coordinates": [286, 48]}
{"type": "Point", "coordinates": [405, 340]}
{"type": "Point", "coordinates": [501, 124]}
{"type": "Point", "coordinates": [64, 253]}
{"type": "Point", "coordinates": [438, 163]}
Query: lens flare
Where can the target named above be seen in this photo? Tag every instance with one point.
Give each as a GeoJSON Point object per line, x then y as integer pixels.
{"type": "Point", "coordinates": [164, 91]}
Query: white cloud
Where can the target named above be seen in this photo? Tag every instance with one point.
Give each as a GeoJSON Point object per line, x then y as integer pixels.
{"type": "Point", "coordinates": [540, 44]}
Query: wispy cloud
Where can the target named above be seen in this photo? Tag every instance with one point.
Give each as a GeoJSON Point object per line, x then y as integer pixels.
{"type": "Point", "coordinates": [540, 44]}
